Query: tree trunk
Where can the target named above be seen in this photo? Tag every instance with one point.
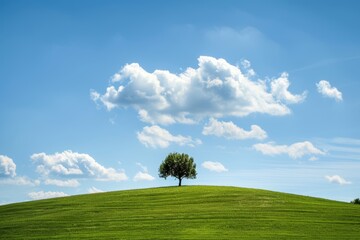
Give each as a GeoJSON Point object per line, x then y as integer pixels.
{"type": "Point", "coordinates": [180, 182]}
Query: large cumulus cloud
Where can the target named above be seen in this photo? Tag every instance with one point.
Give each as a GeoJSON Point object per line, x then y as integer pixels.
{"type": "Point", "coordinates": [214, 89]}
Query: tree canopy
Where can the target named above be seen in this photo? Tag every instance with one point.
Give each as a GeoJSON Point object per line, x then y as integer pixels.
{"type": "Point", "coordinates": [178, 165]}
{"type": "Point", "coordinates": [356, 201]}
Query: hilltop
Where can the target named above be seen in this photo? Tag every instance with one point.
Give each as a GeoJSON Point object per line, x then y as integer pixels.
{"type": "Point", "coordinates": [189, 212]}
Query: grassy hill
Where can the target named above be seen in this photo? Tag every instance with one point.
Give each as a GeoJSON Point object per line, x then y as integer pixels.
{"type": "Point", "coordinates": [189, 212]}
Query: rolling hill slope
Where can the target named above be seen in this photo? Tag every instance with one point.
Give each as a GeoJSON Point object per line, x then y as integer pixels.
{"type": "Point", "coordinates": [189, 212]}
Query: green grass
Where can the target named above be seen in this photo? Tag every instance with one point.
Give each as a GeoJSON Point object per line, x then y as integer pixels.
{"type": "Point", "coordinates": [189, 212]}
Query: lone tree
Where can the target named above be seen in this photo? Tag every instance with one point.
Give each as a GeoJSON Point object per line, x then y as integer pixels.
{"type": "Point", "coordinates": [178, 165]}
{"type": "Point", "coordinates": [356, 201]}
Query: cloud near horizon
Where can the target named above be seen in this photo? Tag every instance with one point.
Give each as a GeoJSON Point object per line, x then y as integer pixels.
{"type": "Point", "coordinates": [337, 179]}
{"type": "Point", "coordinates": [44, 195]}
{"type": "Point", "coordinates": [94, 190]}
{"type": "Point", "coordinates": [214, 89]}
{"type": "Point", "coordinates": [19, 181]}
{"type": "Point", "coordinates": [69, 164]}
{"type": "Point", "coordinates": [296, 150]}
{"type": "Point", "coordinates": [143, 175]}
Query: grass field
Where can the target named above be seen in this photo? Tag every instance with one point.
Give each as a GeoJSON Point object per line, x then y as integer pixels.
{"type": "Point", "coordinates": [189, 212]}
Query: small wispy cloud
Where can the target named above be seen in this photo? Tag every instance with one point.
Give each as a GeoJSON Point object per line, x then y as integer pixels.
{"type": "Point", "coordinates": [94, 190]}
{"type": "Point", "coordinates": [337, 179]}
{"type": "Point", "coordinates": [296, 150]}
{"type": "Point", "coordinates": [157, 137]}
{"type": "Point", "coordinates": [346, 141]}
{"type": "Point", "coordinates": [313, 158]}
{"type": "Point", "coordinates": [325, 89]}
{"type": "Point", "coordinates": [143, 175]}
{"type": "Point", "coordinates": [8, 174]}
{"type": "Point", "coordinates": [20, 181]}
{"type": "Point", "coordinates": [214, 166]}
{"type": "Point", "coordinates": [45, 195]}
{"type": "Point", "coordinates": [7, 167]}
{"type": "Point", "coordinates": [249, 72]}
{"type": "Point", "coordinates": [341, 147]}
{"type": "Point", "coordinates": [231, 131]}
{"type": "Point", "coordinates": [143, 168]}
{"type": "Point", "coordinates": [62, 183]}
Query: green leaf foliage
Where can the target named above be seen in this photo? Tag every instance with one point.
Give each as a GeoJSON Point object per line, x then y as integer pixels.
{"type": "Point", "coordinates": [178, 165]}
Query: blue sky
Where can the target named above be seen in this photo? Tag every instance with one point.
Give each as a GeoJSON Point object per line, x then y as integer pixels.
{"type": "Point", "coordinates": [95, 94]}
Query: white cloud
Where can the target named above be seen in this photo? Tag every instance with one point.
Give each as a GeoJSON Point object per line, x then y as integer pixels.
{"type": "Point", "coordinates": [20, 181]}
{"type": "Point", "coordinates": [143, 176]}
{"type": "Point", "coordinates": [230, 131]}
{"type": "Point", "coordinates": [156, 136]}
{"type": "Point", "coordinates": [214, 89]}
{"type": "Point", "coordinates": [296, 150]}
{"type": "Point", "coordinates": [44, 195]}
{"type": "Point", "coordinates": [313, 158]}
{"type": "Point", "coordinates": [62, 183]}
{"type": "Point", "coordinates": [94, 95]}
{"type": "Point", "coordinates": [346, 149]}
{"type": "Point", "coordinates": [116, 77]}
{"type": "Point", "coordinates": [8, 174]}
{"type": "Point", "coordinates": [337, 179]}
{"type": "Point", "coordinates": [143, 168]}
{"type": "Point", "coordinates": [326, 90]}
{"type": "Point", "coordinates": [214, 166]}
{"type": "Point", "coordinates": [247, 66]}
{"type": "Point", "coordinates": [94, 190]}
{"type": "Point", "coordinates": [279, 89]}
{"type": "Point", "coordinates": [7, 167]}
{"type": "Point", "coordinates": [73, 164]}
